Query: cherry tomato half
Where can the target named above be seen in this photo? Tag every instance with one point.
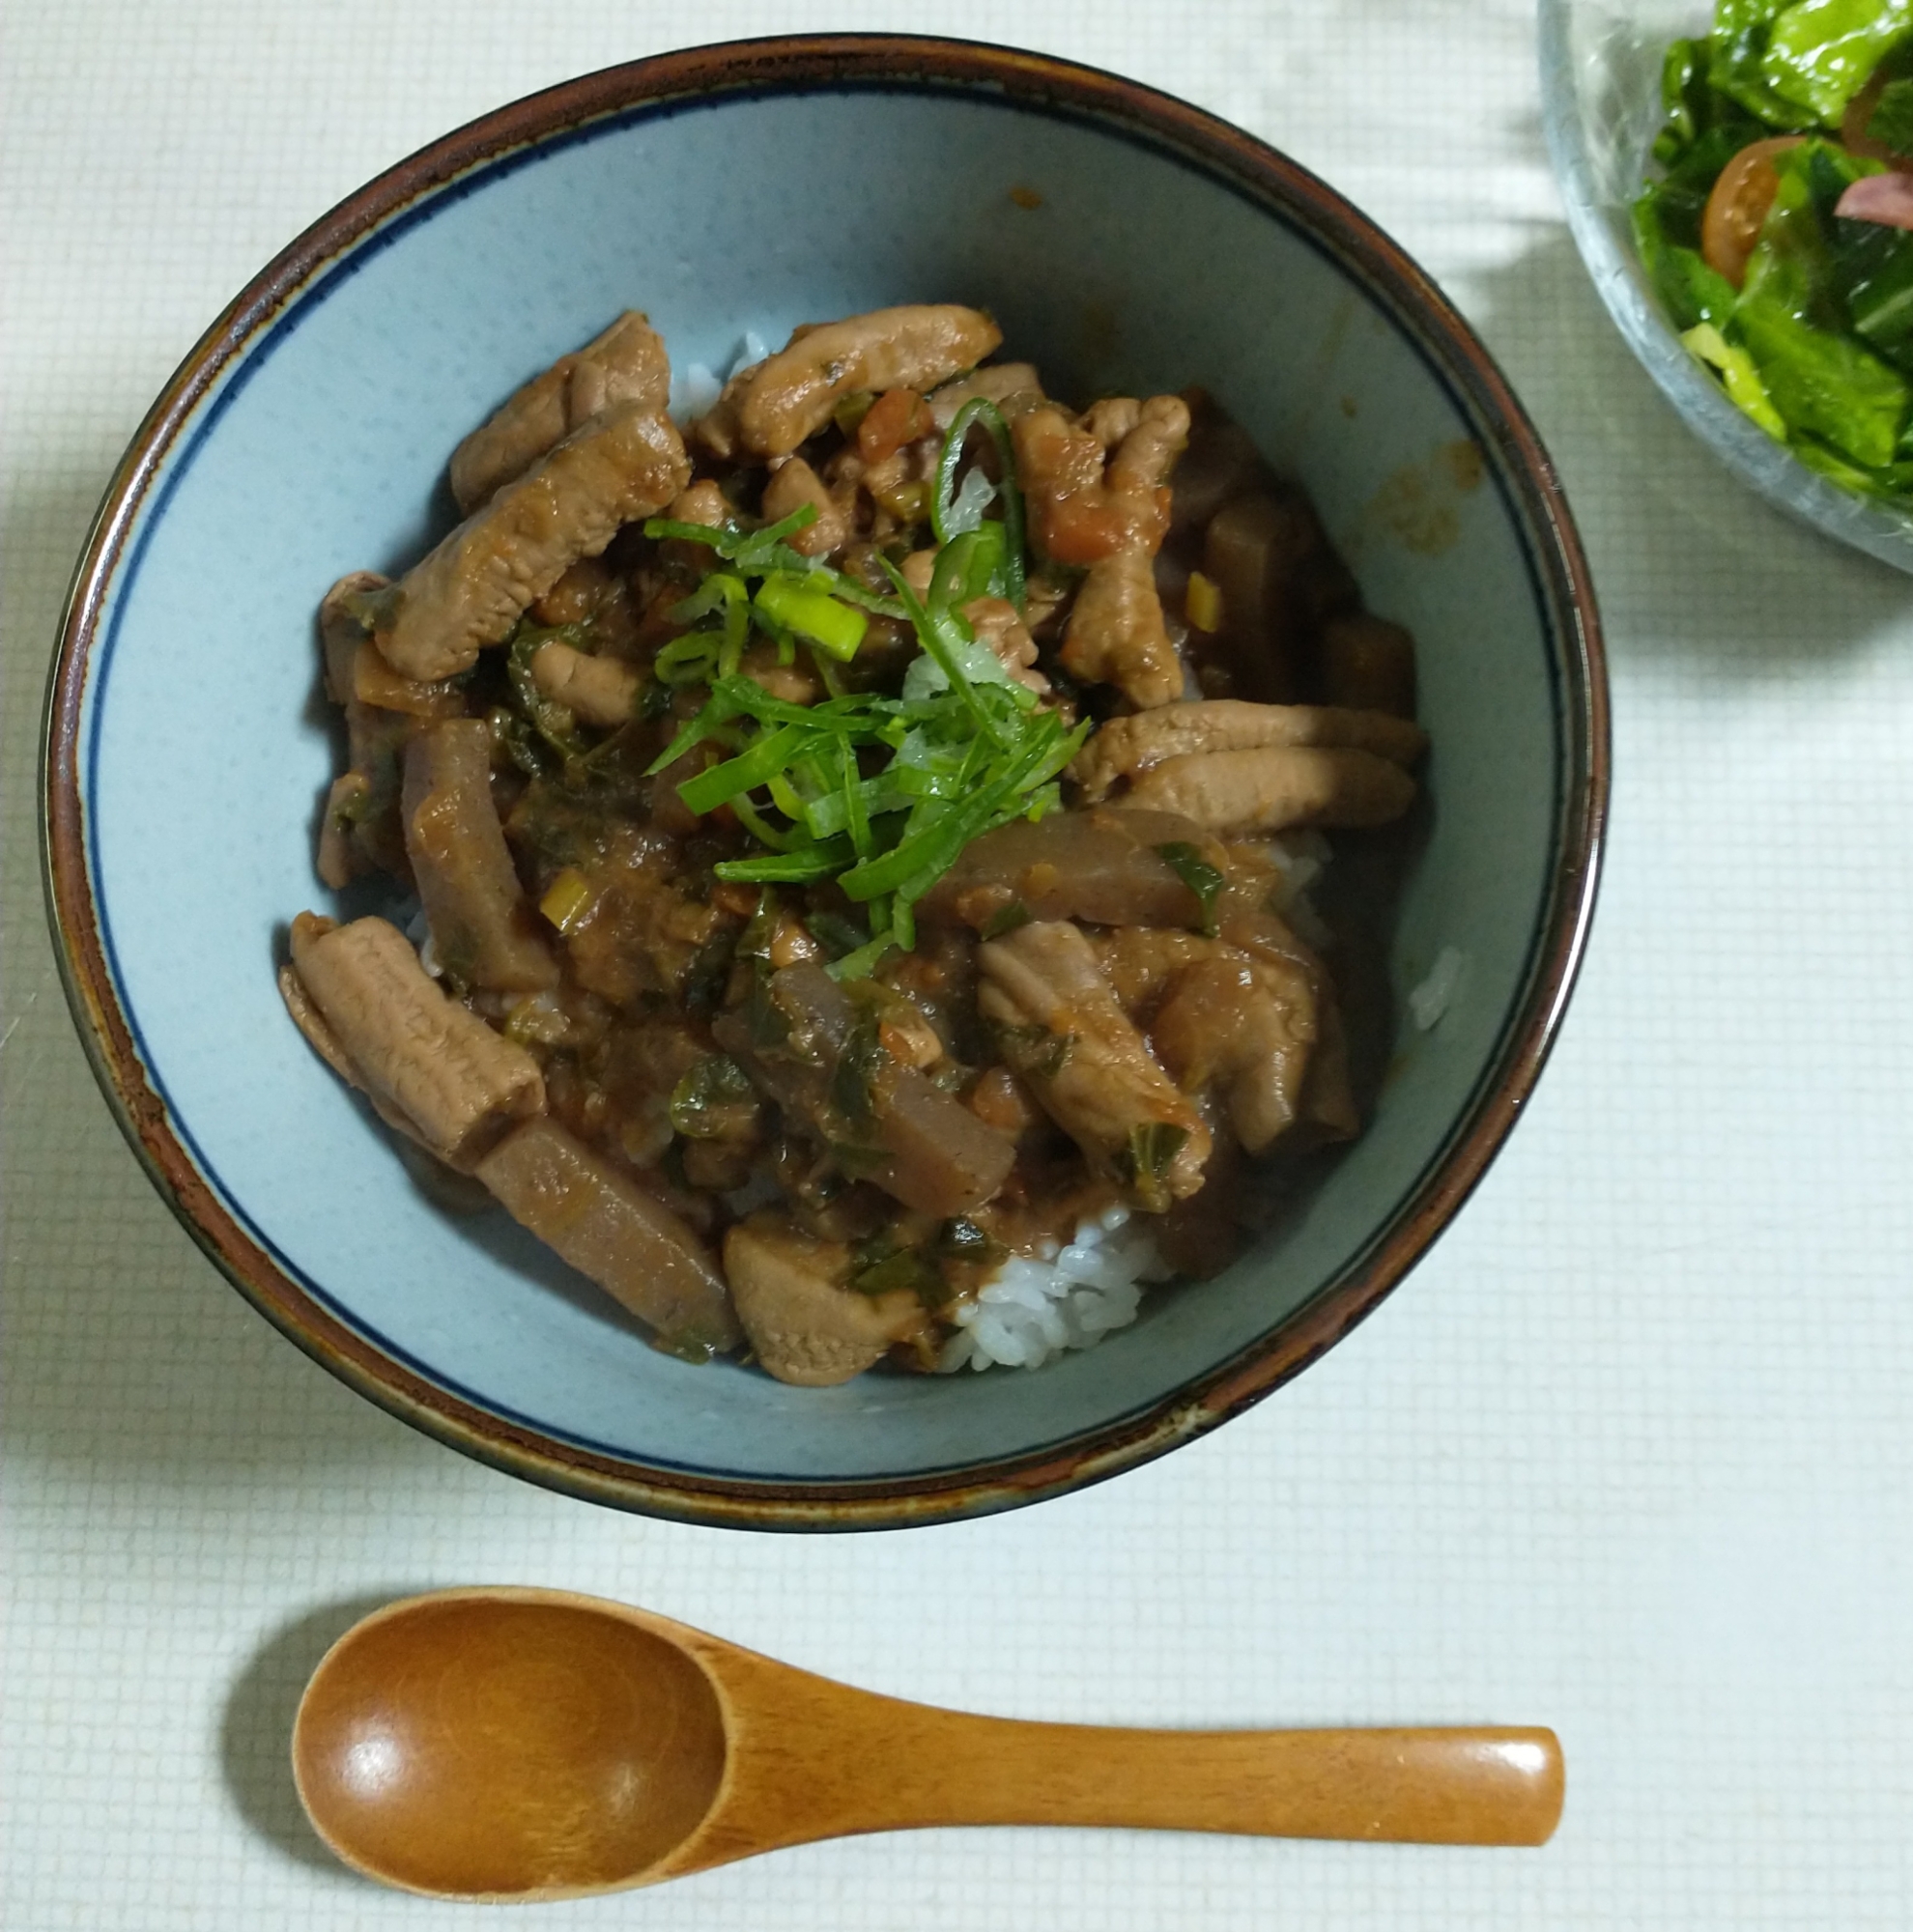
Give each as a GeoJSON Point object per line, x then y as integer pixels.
{"type": "Point", "coordinates": [1730, 222]}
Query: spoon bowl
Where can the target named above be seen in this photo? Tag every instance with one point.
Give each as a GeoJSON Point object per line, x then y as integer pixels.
{"type": "Point", "coordinates": [507, 1744]}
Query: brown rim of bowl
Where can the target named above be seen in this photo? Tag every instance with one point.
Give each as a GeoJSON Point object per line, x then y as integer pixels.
{"type": "Point", "coordinates": [805, 61]}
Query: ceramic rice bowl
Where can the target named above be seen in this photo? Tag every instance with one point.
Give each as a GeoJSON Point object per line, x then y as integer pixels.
{"type": "Point", "coordinates": [1125, 243]}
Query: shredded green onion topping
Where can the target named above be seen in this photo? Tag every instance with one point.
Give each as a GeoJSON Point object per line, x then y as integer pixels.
{"type": "Point", "coordinates": [956, 511]}
{"type": "Point", "coordinates": [879, 794]}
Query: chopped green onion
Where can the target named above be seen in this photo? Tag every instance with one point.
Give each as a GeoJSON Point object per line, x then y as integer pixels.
{"type": "Point", "coordinates": [761, 552]}
{"type": "Point", "coordinates": [692, 658]}
{"type": "Point", "coordinates": [859, 965]}
{"type": "Point", "coordinates": [726, 589]}
{"type": "Point", "coordinates": [943, 644]}
{"type": "Point", "coordinates": [744, 773]}
{"type": "Point", "coordinates": [851, 409]}
{"type": "Point", "coordinates": [955, 756]}
{"type": "Point", "coordinates": [903, 1270]}
{"type": "Point", "coordinates": [710, 721]}
{"type": "Point", "coordinates": [962, 1240]}
{"type": "Point", "coordinates": [804, 867]}
{"type": "Point", "coordinates": [813, 615]}
{"type": "Point", "coordinates": [980, 410]}
{"type": "Point", "coordinates": [826, 671]}
{"type": "Point", "coordinates": [754, 941]}
{"type": "Point", "coordinates": [1198, 874]}
{"type": "Point", "coordinates": [857, 821]}
{"type": "Point", "coordinates": [969, 566]}
{"type": "Point", "coordinates": [752, 822]}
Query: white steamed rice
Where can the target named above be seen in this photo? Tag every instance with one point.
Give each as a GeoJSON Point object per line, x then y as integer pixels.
{"type": "Point", "coordinates": [1432, 997]}
{"type": "Point", "coordinates": [696, 385]}
{"type": "Point", "coordinates": [1035, 1309]}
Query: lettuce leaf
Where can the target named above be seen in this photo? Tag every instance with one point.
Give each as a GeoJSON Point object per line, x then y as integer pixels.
{"type": "Point", "coordinates": [1692, 292]}
{"type": "Point", "coordinates": [1737, 62]}
{"type": "Point", "coordinates": [1792, 316]}
{"type": "Point", "coordinates": [1738, 376]}
{"type": "Point", "coordinates": [1890, 123]}
{"type": "Point", "coordinates": [1876, 272]}
{"type": "Point", "coordinates": [1820, 53]}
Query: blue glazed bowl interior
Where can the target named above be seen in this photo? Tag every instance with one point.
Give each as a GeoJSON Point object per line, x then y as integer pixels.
{"type": "Point", "coordinates": [322, 450]}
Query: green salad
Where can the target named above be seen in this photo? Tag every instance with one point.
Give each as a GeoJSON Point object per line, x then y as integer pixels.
{"type": "Point", "coordinates": [1778, 228]}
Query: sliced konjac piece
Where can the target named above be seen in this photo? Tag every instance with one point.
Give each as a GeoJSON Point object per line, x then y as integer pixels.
{"type": "Point", "coordinates": [609, 1227]}
{"type": "Point", "coordinates": [1104, 865]}
{"type": "Point", "coordinates": [1278, 578]}
{"type": "Point", "coordinates": [1127, 747]}
{"type": "Point", "coordinates": [1367, 663]}
{"type": "Point", "coordinates": [624, 463]}
{"type": "Point", "coordinates": [772, 406]}
{"type": "Point", "coordinates": [1062, 1027]}
{"type": "Point", "coordinates": [1265, 791]}
{"type": "Point", "coordinates": [483, 928]}
{"type": "Point", "coordinates": [626, 364]}
{"type": "Point", "coordinates": [807, 1327]}
{"type": "Point", "coordinates": [416, 1053]}
{"type": "Point", "coordinates": [821, 1057]}
{"type": "Point", "coordinates": [1221, 461]}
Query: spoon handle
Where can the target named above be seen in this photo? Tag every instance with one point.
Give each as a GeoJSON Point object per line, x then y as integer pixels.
{"type": "Point", "coordinates": [816, 1759]}
{"type": "Point", "coordinates": [1462, 1785]}
{"type": "Point", "coordinates": [1458, 1785]}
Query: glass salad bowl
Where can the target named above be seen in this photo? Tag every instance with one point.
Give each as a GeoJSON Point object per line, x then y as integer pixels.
{"type": "Point", "coordinates": [1601, 109]}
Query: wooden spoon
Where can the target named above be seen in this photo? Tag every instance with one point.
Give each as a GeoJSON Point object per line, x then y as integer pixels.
{"type": "Point", "coordinates": [533, 1745]}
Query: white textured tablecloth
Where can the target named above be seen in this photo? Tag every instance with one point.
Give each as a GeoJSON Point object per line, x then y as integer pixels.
{"type": "Point", "coordinates": [1629, 1454]}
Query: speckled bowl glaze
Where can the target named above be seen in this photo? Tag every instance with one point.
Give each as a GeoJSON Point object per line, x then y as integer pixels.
{"type": "Point", "coordinates": [753, 186]}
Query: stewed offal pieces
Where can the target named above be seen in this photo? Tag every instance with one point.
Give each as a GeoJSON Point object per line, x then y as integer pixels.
{"type": "Point", "coordinates": [849, 855]}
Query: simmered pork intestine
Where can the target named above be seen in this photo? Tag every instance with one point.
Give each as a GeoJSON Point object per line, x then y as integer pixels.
{"type": "Point", "coordinates": [617, 467]}
{"type": "Point", "coordinates": [781, 403]}
{"type": "Point", "coordinates": [626, 364]}
{"type": "Point", "coordinates": [850, 850]}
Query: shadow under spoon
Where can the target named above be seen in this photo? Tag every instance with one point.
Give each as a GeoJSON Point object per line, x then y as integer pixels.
{"type": "Point", "coordinates": [504, 1744]}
